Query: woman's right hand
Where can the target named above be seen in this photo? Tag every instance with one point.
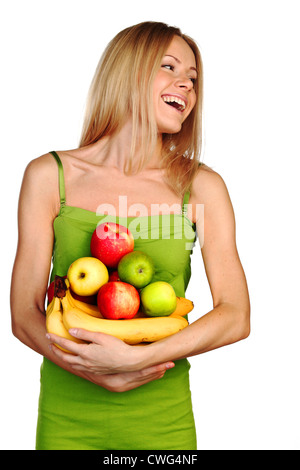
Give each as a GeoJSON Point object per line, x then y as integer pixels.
{"type": "Point", "coordinates": [107, 361]}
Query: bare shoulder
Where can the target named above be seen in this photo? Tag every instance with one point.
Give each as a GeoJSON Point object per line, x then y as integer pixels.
{"type": "Point", "coordinates": [208, 187]}
{"type": "Point", "coordinates": [40, 181]}
{"type": "Point", "coordinates": [41, 167]}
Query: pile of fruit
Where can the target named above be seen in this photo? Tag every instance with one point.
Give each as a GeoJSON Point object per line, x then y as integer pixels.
{"type": "Point", "coordinates": [112, 292]}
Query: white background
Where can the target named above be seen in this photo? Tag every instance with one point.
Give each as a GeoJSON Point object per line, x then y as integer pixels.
{"type": "Point", "coordinates": [246, 396]}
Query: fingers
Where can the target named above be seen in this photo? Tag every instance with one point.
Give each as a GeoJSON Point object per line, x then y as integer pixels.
{"type": "Point", "coordinates": [102, 353]}
{"type": "Point", "coordinates": [89, 336]}
{"type": "Point", "coordinates": [151, 373]}
{"type": "Point", "coordinates": [64, 343]}
{"type": "Point", "coordinates": [98, 361]}
{"type": "Point", "coordinates": [124, 382]}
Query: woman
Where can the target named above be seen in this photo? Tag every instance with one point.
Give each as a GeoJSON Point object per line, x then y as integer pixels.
{"type": "Point", "coordinates": [141, 139]}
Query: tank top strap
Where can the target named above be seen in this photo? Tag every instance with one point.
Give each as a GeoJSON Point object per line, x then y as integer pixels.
{"type": "Point", "coordinates": [61, 180]}
{"type": "Point", "coordinates": [185, 202]}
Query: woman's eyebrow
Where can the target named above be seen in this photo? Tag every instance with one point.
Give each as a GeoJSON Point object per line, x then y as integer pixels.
{"type": "Point", "coordinates": [177, 60]}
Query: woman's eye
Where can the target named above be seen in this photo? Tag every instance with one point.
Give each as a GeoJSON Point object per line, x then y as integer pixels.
{"type": "Point", "coordinates": [168, 66]}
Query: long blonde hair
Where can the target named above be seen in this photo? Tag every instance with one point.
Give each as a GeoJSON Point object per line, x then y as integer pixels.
{"type": "Point", "coordinates": [122, 86]}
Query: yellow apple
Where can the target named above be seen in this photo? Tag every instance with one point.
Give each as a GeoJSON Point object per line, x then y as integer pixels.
{"type": "Point", "coordinates": [86, 275]}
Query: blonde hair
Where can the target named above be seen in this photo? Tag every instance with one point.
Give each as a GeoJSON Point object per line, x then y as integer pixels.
{"type": "Point", "coordinates": [123, 86]}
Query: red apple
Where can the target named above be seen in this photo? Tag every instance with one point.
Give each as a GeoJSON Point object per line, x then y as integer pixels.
{"type": "Point", "coordinates": [88, 299]}
{"type": "Point", "coordinates": [114, 276]}
{"type": "Point", "coordinates": [118, 300]}
{"type": "Point", "coordinates": [50, 292]}
{"type": "Point", "coordinates": [110, 242]}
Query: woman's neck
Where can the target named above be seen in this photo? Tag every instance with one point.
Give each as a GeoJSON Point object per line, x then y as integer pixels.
{"type": "Point", "coordinates": [115, 150]}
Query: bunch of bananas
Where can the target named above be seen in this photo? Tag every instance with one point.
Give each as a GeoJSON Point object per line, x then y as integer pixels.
{"type": "Point", "coordinates": [65, 312]}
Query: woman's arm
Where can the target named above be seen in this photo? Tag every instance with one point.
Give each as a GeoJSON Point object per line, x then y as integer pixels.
{"type": "Point", "coordinates": [229, 320]}
{"type": "Point", "coordinates": [37, 210]}
{"type": "Point", "coordinates": [226, 323]}
{"type": "Point", "coordinates": [38, 206]}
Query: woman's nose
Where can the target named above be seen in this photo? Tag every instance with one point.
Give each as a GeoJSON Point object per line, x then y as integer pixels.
{"type": "Point", "coordinates": [184, 82]}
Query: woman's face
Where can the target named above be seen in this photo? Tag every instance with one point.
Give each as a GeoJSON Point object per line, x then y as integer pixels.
{"type": "Point", "coordinates": [174, 94]}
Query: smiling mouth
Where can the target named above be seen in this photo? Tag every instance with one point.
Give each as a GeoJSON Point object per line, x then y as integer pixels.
{"type": "Point", "coordinates": [175, 102]}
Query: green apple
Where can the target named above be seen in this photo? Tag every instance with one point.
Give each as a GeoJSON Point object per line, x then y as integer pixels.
{"type": "Point", "coordinates": [86, 275]}
{"type": "Point", "coordinates": [158, 299]}
{"type": "Point", "coordinates": [136, 268]}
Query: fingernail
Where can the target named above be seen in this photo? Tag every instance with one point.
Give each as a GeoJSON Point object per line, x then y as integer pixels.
{"type": "Point", "coordinates": [170, 365]}
{"type": "Point", "coordinates": [73, 331]}
{"type": "Point", "coordinates": [47, 336]}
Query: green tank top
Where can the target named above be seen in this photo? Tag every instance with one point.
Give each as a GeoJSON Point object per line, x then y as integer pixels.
{"type": "Point", "coordinates": [76, 414]}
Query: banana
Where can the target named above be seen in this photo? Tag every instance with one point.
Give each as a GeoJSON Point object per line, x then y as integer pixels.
{"type": "Point", "coordinates": [65, 312]}
{"type": "Point", "coordinates": [51, 305]}
{"type": "Point", "coordinates": [133, 331]}
{"type": "Point", "coordinates": [92, 310]}
{"type": "Point", "coordinates": [54, 321]}
{"type": "Point", "coordinates": [184, 306]}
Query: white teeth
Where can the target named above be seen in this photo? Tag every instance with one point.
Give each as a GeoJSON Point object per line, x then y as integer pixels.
{"type": "Point", "coordinates": [172, 99]}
